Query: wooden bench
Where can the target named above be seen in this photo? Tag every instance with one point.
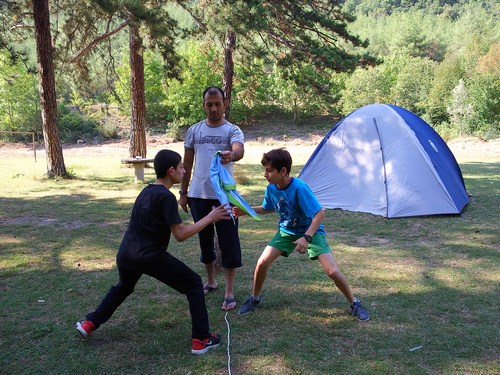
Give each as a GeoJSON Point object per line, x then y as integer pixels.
{"type": "Point", "coordinates": [138, 163]}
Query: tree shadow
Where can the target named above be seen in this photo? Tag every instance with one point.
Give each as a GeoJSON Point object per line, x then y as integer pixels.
{"type": "Point", "coordinates": [429, 283]}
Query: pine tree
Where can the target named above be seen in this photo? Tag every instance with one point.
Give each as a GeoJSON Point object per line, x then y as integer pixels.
{"type": "Point", "coordinates": [90, 23]}
{"type": "Point", "coordinates": [285, 32]}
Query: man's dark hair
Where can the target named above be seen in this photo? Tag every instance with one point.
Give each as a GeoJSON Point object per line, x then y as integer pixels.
{"type": "Point", "coordinates": [165, 159]}
{"type": "Point", "coordinates": [278, 158]}
{"type": "Point", "coordinates": [213, 90]}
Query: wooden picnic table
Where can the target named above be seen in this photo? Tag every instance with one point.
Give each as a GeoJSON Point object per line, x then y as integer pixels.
{"type": "Point", "coordinates": [138, 163]}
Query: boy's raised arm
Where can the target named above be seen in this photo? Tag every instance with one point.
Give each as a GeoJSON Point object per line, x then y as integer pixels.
{"type": "Point", "coordinates": [182, 232]}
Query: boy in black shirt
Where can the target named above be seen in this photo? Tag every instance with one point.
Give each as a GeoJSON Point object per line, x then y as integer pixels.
{"type": "Point", "coordinates": [143, 250]}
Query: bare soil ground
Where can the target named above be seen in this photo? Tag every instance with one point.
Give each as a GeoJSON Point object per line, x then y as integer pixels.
{"type": "Point", "coordinates": [258, 140]}
{"type": "Point", "coordinates": [475, 149]}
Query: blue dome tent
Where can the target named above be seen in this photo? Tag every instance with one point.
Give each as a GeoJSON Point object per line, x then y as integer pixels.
{"type": "Point", "coordinates": [385, 160]}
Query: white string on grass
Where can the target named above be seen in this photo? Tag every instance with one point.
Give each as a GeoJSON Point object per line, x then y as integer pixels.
{"type": "Point", "coordinates": [228, 343]}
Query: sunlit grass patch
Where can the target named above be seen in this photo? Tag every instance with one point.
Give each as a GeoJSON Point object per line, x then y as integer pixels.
{"type": "Point", "coordinates": [428, 282]}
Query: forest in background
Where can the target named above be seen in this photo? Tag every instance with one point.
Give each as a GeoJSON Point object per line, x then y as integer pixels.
{"type": "Point", "coordinates": [439, 59]}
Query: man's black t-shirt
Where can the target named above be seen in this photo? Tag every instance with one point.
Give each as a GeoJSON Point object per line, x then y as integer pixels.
{"type": "Point", "coordinates": [148, 233]}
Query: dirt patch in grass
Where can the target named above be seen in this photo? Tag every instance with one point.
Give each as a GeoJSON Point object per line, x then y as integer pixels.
{"type": "Point", "coordinates": [473, 149]}
{"type": "Point", "coordinates": [300, 140]}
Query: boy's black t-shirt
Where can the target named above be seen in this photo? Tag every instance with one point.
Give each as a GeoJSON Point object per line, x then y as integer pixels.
{"type": "Point", "coordinates": [148, 233]}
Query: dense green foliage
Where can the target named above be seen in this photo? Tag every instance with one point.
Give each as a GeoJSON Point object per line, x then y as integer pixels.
{"type": "Point", "coordinates": [439, 62]}
{"type": "Point", "coordinates": [376, 7]}
{"type": "Point", "coordinates": [19, 102]}
{"type": "Point", "coordinates": [439, 59]}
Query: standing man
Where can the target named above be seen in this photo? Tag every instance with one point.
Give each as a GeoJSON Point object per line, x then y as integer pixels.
{"type": "Point", "coordinates": [204, 139]}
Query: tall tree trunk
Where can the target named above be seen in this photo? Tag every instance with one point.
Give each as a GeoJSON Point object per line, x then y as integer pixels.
{"type": "Point", "coordinates": [229, 69]}
{"type": "Point", "coordinates": [138, 117]}
{"type": "Point", "coordinates": [47, 90]}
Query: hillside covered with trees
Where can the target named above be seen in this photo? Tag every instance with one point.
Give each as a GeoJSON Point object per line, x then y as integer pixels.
{"type": "Point", "coordinates": [437, 58]}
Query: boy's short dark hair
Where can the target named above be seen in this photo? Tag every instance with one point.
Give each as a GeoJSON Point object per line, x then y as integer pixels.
{"type": "Point", "coordinates": [278, 158]}
{"type": "Point", "coordinates": [165, 159]}
{"type": "Point", "coordinates": [213, 90]}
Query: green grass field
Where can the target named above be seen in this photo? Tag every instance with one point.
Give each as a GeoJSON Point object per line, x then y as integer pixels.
{"type": "Point", "coordinates": [432, 284]}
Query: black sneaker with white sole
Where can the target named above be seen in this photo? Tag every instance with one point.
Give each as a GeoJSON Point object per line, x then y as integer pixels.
{"type": "Point", "coordinates": [249, 305]}
{"type": "Point", "coordinates": [359, 311]}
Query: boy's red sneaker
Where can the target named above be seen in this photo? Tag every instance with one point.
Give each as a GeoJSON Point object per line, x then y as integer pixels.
{"type": "Point", "coordinates": [85, 327]}
{"type": "Point", "coordinates": [203, 346]}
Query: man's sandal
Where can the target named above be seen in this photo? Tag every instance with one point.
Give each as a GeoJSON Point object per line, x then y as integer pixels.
{"type": "Point", "coordinates": [207, 289]}
{"type": "Point", "coordinates": [229, 304]}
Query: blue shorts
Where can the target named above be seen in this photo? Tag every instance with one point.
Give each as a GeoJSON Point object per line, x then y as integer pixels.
{"type": "Point", "coordinates": [227, 235]}
{"type": "Point", "coordinates": [285, 242]}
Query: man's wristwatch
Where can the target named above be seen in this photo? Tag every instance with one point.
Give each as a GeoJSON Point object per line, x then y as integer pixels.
{"type": "Point", "coordinates": [308, 238]}
{"type": "Point", "coordinates": [182, 192]}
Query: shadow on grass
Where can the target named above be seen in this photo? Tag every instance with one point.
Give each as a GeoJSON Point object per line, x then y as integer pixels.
{"type": "Point", "coordinates": [108, 181]}
{"type": "Point", "coordinates": [430, 283]}
{"type": "Point", "coordinates": [446, 308]}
